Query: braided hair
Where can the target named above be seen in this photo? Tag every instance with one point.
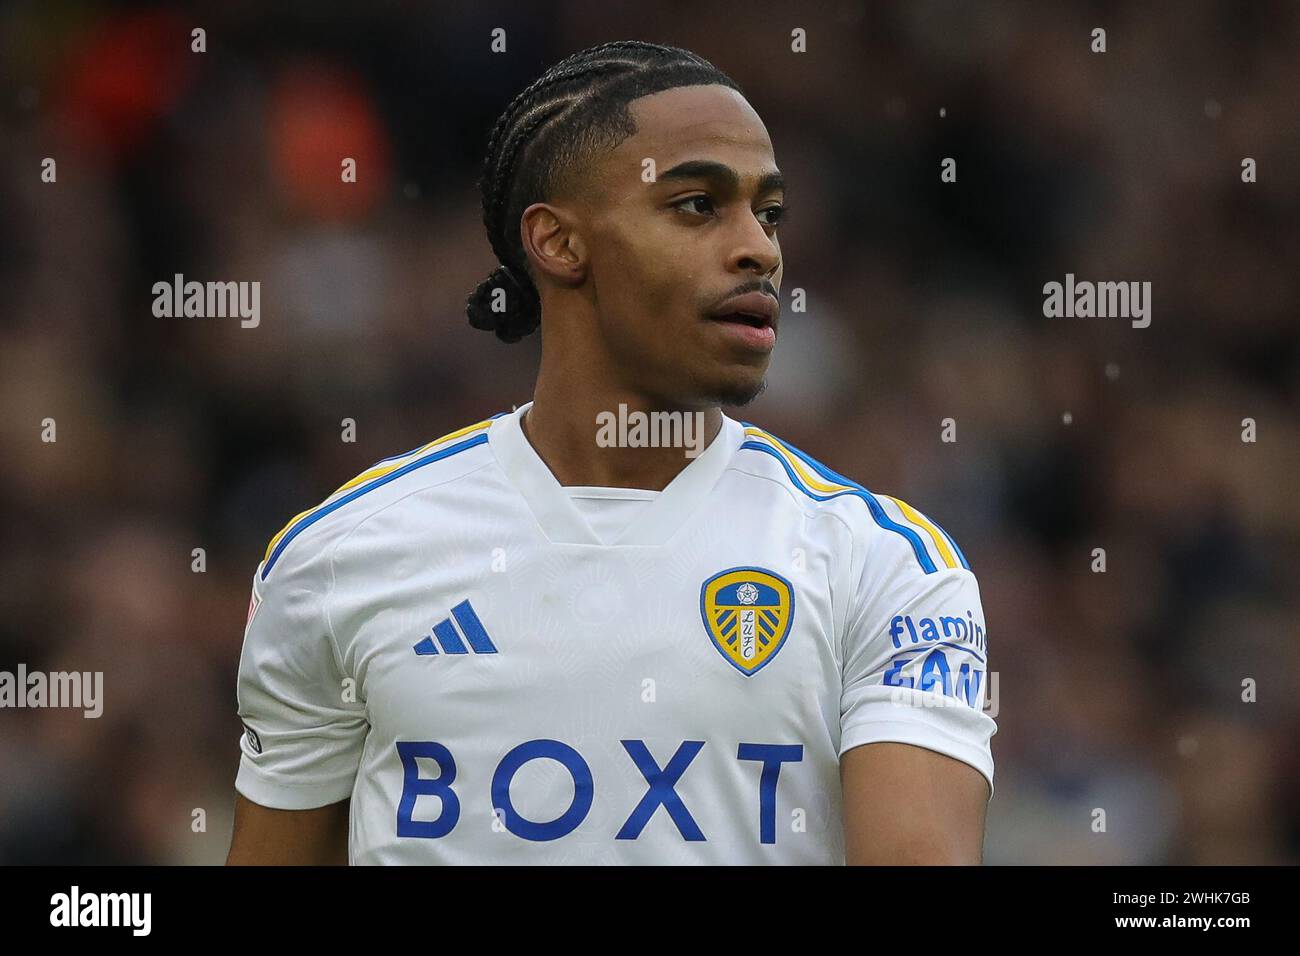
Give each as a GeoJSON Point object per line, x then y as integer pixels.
{"type": "Point", "coordinates": [545, 136]}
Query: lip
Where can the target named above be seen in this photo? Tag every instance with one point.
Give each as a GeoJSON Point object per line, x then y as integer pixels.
{"type": "Point", "coordinates": [750, 338]}
{"type": "Point", "coordinates": [756, 305]}
{"type": "Point", "coordinates": [748, 320]}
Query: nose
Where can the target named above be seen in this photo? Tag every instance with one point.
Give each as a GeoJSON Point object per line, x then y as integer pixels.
{"type": "Point", "coordinates": [754, 250]}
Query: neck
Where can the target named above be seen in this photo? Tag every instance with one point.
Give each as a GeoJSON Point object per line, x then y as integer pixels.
{"type": "Point", "coordinates": [564, 426]}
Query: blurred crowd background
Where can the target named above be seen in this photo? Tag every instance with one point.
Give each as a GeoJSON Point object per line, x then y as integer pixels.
{"type": "Point", "coordinates": [1119, 690]}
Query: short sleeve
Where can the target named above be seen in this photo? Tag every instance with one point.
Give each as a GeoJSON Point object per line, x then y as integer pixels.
{"type": "Point", "coordinates": [303, 730]}
{"type": "Point", "coordinates": [915, 665]}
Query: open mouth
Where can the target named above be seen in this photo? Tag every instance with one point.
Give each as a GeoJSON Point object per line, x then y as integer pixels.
{"type": "Point", "coordinates": [756, 311]}
{"type": "Point", "coordinates": [745, 318]}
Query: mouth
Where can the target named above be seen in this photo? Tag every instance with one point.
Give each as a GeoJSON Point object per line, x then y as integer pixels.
{"type": "Point", "coordinates": [745, 318]}
{"type": "Point", "coordinates": [753, 309]}
{"type": "Point", "coordinates": [748, 321]}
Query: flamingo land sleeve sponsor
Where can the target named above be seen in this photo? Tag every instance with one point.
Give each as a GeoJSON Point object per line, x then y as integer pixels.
{"type": "Point", "coordinates": [945, 653]}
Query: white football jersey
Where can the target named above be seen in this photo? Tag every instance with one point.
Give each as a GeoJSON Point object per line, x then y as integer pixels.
{"type": "Point", "coordinates": [446, 641]}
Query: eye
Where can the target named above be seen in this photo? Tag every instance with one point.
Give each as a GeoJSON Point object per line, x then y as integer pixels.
{"type": "Point", "coordinates": [778, 213]}
{"type": "Point", "coordinates": [696, 199]}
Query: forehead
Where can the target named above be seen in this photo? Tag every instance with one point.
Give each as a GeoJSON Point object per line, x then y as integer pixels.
{"type": "Point", "coordinates": [697, 122]}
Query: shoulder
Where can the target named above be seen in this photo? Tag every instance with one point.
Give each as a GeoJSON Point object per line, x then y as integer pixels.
{"type": "Point", "coordinates": [307, 535]}
{"type": "Point", "coordinates": [888, 528]}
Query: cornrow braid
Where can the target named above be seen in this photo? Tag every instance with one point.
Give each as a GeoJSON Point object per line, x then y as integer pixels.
{"type": "Point", "coordinates": [547, 134]}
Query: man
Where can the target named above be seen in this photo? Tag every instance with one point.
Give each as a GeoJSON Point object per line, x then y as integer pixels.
{"type": "Point", "coordinates": [545, 639]}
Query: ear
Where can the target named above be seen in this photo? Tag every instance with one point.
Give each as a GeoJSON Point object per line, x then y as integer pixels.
{"type": "Point", "coordinates": [553, 243]}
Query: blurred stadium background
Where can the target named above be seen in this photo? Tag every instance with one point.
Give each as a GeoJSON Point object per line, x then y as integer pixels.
{"type": "Point", "coordinates": [1119, 691]}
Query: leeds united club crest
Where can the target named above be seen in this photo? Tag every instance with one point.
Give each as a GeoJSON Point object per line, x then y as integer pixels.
{"type": "Point", "coordinates": [747, 613]}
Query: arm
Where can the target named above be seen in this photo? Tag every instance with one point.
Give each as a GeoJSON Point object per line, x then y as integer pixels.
{"type": "Point", "coordinates": [908, 805]}
{"type": "Point", "coordinates": [266, 837]}
{"type": "Point", "coordinates": [303, 734]}
{"type": "Point", "coordinates": [916, 768]}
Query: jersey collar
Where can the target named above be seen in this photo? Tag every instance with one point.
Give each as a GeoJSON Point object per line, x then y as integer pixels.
{"type": "Point", "coordinates": [560, 519]}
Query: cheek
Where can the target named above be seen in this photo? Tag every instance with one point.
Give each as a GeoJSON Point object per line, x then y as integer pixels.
{"type": "Point", "coordinates": [682, 264]}
{"type": "Point", "coordinates": [661, 278]}
{"type": "Point", "coordinates": [651, 280]}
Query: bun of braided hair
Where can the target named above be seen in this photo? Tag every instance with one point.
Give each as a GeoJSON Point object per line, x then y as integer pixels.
{"type": "Point", "coordinates": [565, 118]}
{"type": "Point", "coordinates": [504, 304]}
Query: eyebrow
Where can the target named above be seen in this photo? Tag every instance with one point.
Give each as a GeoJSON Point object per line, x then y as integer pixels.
{"type": "Point", "coordinates": [719, 172]}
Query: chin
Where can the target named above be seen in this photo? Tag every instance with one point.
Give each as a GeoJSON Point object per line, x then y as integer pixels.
{"type": "Point", "coordinates": [738, 392]}
{"type": "Point", "coordinates": [722, 384]}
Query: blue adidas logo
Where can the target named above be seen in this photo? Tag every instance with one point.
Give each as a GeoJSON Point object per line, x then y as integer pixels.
{"type": "Point", "coordinates": [450, 640]}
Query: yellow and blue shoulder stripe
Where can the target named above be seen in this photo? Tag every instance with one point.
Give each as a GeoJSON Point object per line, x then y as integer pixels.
{"type": "Point", "coordinates": [376, 476]}
{"type": "Point", "coordinates": [822, 484]}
